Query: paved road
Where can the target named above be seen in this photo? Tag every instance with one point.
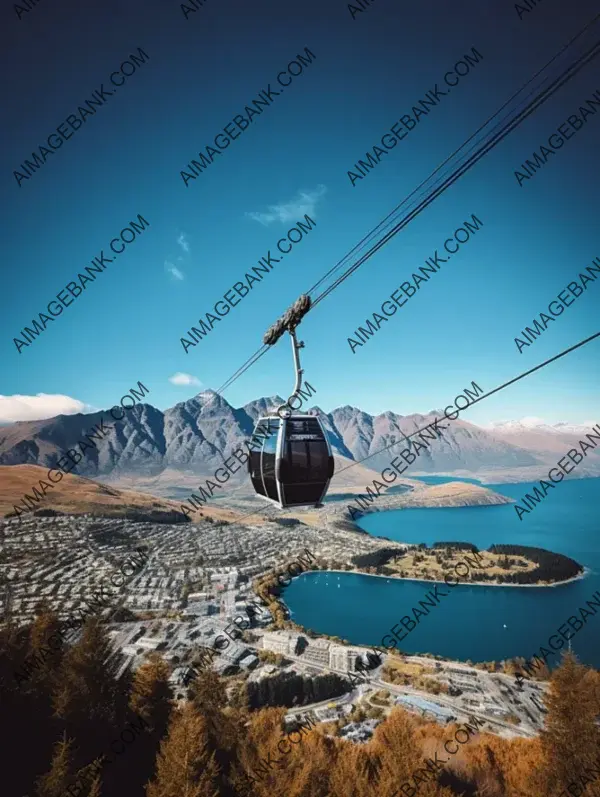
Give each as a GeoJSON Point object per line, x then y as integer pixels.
{"type": "Point", "coordinates": [459, 710]}
{"type": "Point", "coordinates": [408, 691]}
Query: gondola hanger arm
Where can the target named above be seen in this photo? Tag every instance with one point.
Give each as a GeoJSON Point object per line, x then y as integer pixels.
{"type": "Point", "coordinates": [288, 322]}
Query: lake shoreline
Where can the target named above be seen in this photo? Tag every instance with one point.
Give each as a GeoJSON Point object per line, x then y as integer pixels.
{"type": "Point", "coordinates": [579, 576]}
{"type": "Point", "coordinates": [360, 611]}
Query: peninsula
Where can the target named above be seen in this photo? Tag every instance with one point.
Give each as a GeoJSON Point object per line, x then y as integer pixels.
{"type": "Point", "coordinates": [419, 495]}
{"type": "Point", "coordinates": [518, 565]}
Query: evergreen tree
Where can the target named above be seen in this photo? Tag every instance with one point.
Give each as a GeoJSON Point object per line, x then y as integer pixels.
{"type": "Point", "coordinates": [95, 789]}
{"type": "Point", "coordinates": [571, 736]}
{"type": "Point", "coordinates": [495, 767]}
{"type": "Point", "coordinates": [60, 775]}
{"type": "Point", "coordinates": [151, 693]}
{"type": "Point", "coordinates": [45, 622]}
{"type": "Point", "coordinates": [355, 773]}
{"type": "Point", "coordinates": [45, 625]}
{"type": "Point", "coordinates": [210, 698]}
{"type": "Point", "coordinates": [260, 739]}
{"type": "Point", "coordinates": [307, 770]}
{"type": "Point", "coordinates": [89, 779]}
{"type": "Point", "coordinates": [185, 765]}
{"type": "Point", "coordinates": [239, 697]}
{"type": "Point", "coordinates": [18, 703]}
{"type": "Point", "coordinates": [398, 753]}
{"type": "Point", "coordinates": [87, 693]}
{"type": "Point", "coordinates": [208, 690]}
{"type": "Point", "coordinates": [13, 650]}
{"type": "Point", "coordinates": [222, 725]}
{"type": "Point", "coordinates": [217, 746]}
{"type": "Point", "coordinates": [151, 700]}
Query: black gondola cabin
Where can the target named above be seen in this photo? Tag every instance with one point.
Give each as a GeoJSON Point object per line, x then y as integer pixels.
{"type": "Point", "coordinates": [292, 463]}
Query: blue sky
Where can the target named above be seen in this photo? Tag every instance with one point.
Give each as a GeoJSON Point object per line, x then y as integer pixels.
{"type": "Point", "coordinates": [368, 71]}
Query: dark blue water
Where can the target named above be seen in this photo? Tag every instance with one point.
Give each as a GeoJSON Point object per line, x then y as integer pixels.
{"type": "Point", "coordinates": [444, 479]}
{"type": "Point", "coordinates": [468, 624]}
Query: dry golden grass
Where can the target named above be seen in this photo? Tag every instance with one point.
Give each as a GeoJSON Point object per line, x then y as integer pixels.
{"type": "Point", "coordinates": [453, 494]}
{"type": "Point", "coordinates": [77, 495]}
{"type": "Point", "coordinates": [406, 668]}
{"type": "Point", "coordinates": [489, 564]}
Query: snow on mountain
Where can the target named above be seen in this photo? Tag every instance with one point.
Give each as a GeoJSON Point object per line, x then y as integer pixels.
{"type": "Point", "coordinates": [532, 423]}
{"type": "Point", "coordinates": [196, 436]}
{"type": "Point", "coordinates": [583, 428]}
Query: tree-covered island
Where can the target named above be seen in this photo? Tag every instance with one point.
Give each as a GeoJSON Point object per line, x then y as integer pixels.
{"type": "Point", "coordinates": [500, 564]}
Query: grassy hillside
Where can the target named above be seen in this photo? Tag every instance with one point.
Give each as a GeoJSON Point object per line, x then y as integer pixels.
{"type": "Point", "coordinates": [78, 495]}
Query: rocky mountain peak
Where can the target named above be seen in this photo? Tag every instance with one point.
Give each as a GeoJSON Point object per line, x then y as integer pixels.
{"type": "Point", "coordinates": [198, 434]}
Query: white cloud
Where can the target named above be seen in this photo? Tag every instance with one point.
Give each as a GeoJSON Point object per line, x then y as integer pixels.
{"type": "Point", "coordinates": [184, 379]}
{"type": "Point", "coordinates": [39, 407]}
{"type": "Point", "coordinates": [183, 242]}
{"type": "Point", "coordinates": [294, 210]}
{"type": "Point", "coordinates": [174, 271]}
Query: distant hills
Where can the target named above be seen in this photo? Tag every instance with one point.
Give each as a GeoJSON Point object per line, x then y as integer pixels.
{"type": "Point", "coordinates": [540, 425]}
{"type": "Point", "coordinates": [548, 443]}
{"type": "Point", "coordinates": [77, 495]}
{"type": "Point", "coordinates": [196, 435]}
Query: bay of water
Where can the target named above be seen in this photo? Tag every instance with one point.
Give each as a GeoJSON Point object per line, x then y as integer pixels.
{"type": "Point", "coordinates": [469, 623]}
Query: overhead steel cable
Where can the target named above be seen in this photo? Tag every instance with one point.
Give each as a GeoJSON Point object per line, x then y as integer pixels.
{"type": "Point", "coordinates": [446, 182]}
{"type": "Point", "coordinates": [503, 386]}
{"type": "Point", "coordinates": [380, 226]}
{"type": "Point", "coordinates": [486, 395]}
{"type": "Point", "coordinates": [458, 149]}
{"type": "Point", "coordinates": [243, 368]}
{"type": "Point", "coordinates": [573, 70]}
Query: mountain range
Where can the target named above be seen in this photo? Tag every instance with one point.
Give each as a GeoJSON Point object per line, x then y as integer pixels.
{"type": "Point", "coordinates": [196, 435]}
{"type": "Point", "coordinates": [528, 424]}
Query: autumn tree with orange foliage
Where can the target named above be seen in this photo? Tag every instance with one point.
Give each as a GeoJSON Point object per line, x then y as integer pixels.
{"type": "Point", "coordinates": [60, 774]}
{"type": "Point", "coordinates": [263, 770]}
{"type": "Point", "coordinates": [185, 765]}
{"type": "Point", "coordinates": [86, 690]}
{"type": "Point", "coordinates": [214, 744]}
{"type": "Point", "coordinates": [545, 766]}
{"type": "Point", "coordinates": [498, 767]}
{"type": "Point", "coordinates": [571, 736]}
{"type": "Point", "coordinates": [151, 693]}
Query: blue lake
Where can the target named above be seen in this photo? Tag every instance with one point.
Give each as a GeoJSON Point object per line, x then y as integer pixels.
{"type": "Point", "coordinates": [445, 479]}
{"type": "Point", "coordinates": [469, 623]}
